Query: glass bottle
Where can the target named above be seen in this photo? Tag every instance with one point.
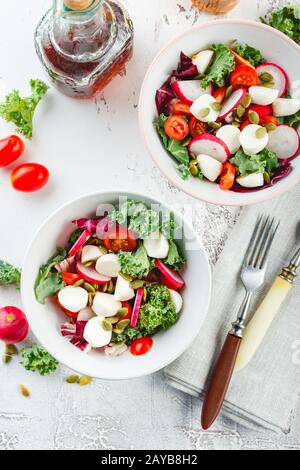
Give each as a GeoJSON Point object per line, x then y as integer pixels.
{"type": "Point", "coordinates": [84, 44]}
{"type": "Point", "coordinates": [215, 7]}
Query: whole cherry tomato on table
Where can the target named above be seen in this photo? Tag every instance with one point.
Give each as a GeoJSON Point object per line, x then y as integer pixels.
{"type": "Point", "coordinates": [11, 148]}
{"type": "Point", "coordinates": [119, 239]}
{"type": "Point", "coordinates": [141, 346]}
{"type": "Point", "coordinates": [29, 177]}
{"type": "Point", "coordinates": [227, 176]}
{"type": "Point", "coordinates": [182, 109]}
{"type": "Point", "coordinates": [197, 127]}
{"type": "Point", "coordinates": [13, 325]}
{"type": "Point", "coordinates": [176, 127]}
{"type": "Point", "coordinates": [243, 76]}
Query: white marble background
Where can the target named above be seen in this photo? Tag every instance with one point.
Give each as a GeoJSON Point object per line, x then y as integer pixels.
{"type": "Point", "coordinates": [92, 146]}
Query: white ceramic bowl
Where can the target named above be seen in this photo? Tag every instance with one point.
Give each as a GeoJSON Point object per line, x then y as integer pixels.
{"type": "Point", "coordinates": [45, 320]}
{"type": "Point", "coordinates": [275, 47]}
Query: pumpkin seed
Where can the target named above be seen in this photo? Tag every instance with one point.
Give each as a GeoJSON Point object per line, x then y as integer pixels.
{"type": "Point", "coordinates": [266, 77]}
{"type": "Point", "coordinates": [193, 170]}
{"type": "Point", "coordinates": [268, 84]}
{"type": "Point", "coordinates": [240, 111]}
{"type": "Point", "coordinates": [89, 287]}
{"type": "Point", "coordinates": [136, 284]}
{"type": "Point", "coordinates": [122, 324]}
{"type": "Point", "coordinates": [73, 379]}
{"type": "Point", "coordinates": [253, 117]}
{"type": "Point", "coordinates": [112, 320]}
{"type": "Point", "coordinates": [78, 283]}
{"type": "Point", "coordinates": [85, 380]}
{"type": "Point", "coordinates": [117, 331]}
{"type": "Point", "coordinates": [246, 101]}
{"type": "Point", "coordinates": [260, 133]}
{"type": "Point", "coordinates": [216, 106]}
{"type": "Point", "coordinates": [104, 287]}
{"type": "Point", "coordinates": [228, 91]}
{"type": "Point", "coordinates": [6, 358]}
{"type": "Point", "coordinates": [236, 123]}
{"type": "Point", "coordinates": [126, 277]}
{"type": "Point", "coordinates": [96, 286]}
{"type": "Point", "coordinates": [103, 250]}
{"type": "Point", "coordinates": [107, 326]}
{"type": "Point", "coordinates": [194, 162]}
{"type": "Point", "coordinates": [122, 312]}
{"type": "Point", "coordinates": [90, 299]}
{"type": "Point", "coordinates": [215, 125]}
{"type": "Point", "coordinates": [186, 142]}
{"type": "Point", "coordinates": [204, 112]}
{"type": "Point", "coordinates": [24, 390]}
{"type": "Point", "coordinates": [238, 119]}
{"type": "Point", "coordinates": [89, 264]}
{"type": "Point", "coordinates": [193, 156]}
{"type": "Point", "coordinates": [11, 349]}
{"type": "Point", "coordinates": [145, 295]}
{"type": "Point", "coordinates": [270, 126]}
{"type": "Point", "coordinates": [110, 287]}
{"type": "Point", "coordinates": [267, 178]}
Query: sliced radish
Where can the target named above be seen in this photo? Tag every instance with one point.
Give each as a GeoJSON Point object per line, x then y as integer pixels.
{"type": "Point", "coordinates": [90, 253]}
{"type": "Point", "coordinates": [283, 107]}
{"type": "Point", "coordinates": [208, 144]}
{"type": "Point", "coordinates": [136, 307]}
{"type": "Point", "coordinates": [176, 300]}
{"type": "Point", "coordinates": [156, 245]}
{"type": "Point", "coordinates": [85, 314]}
{"type": "Point", "coordinates": [285, 142]}
{"type": "Point", "coordinates": [108, 265]}
{"type": "Point", "coordinates": [280, 78]}
{"type": "Point", "coordinates": [123, 291]}
{"type": "Point", "coordinates": [202, 60]}
{"type": "Point", "coordinates": [255, 180]}
{"type": "Point", "coordinates": [95, 334]}
{"type": "Point", "coordinates": [189, 90]}
{"type": "Point", "coordinates": [68, 329]}
{"type": "Point", "coordinates": [90, 274]}
{"type": "Point", "coordinates": [232, 102]}
{"type": "Point", "coordinates": [169, 278]}
{"type": "Point", "coordinates": [210, 167]}
{"type": "Point", "coordinates": [80, 242]}
{"type": "Point", "coordinates": [263, 96]}
{"type": "Point", "coordinates": [203, 110]}
{"type": "Point", "coordinates": [73, 298]}
{"type": "Point", "coordinates": [105, 305]}
{"type": "Point", "coordinates": [230, 135]}
{"type": "Point", "coordinates": [250, 142]}
{"type": "Point", "coordinates": [66, 266]}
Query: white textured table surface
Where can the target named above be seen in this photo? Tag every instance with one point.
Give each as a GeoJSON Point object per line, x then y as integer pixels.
{"type": "Point", "coordinates": [93, 146]}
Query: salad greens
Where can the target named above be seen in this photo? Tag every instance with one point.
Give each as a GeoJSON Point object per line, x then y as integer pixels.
{"type": "Point", "coordinates": [36, 358]}
{"type": "Point", "coordinates": [142, 221]}
{"type": "Point", "coordinates": [49, 281]}
{"type": "Point", "coordinates": [175, 258]}
{"type": "Point", "coordinates": [254, 56]}
{"type": "Point", "coordinates": [158, 312]}
{"type": "Point", "coordinates": [135, 263]}
{"type": "Point", "coordinates": [9, 275]}
{"type": "Point", "coordinates": [286, 20]}
{"type": "Point", "coordinates": [20, 111]}
{"type": "Point", "coordinates": [75, 235]}
{"type": "Point", "coordinates": [222, 66]}
{"type": "Point", "coordinates": [258, 163]}
{"type": "Point", "coordinates": [293, 120]}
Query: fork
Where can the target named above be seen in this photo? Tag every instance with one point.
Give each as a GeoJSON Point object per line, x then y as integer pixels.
{"type": "Point", "coordinates": [252, 276]}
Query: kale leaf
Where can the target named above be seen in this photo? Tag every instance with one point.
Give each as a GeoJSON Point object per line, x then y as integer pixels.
{"type": "Point", "coordinates": [175, 258]}
{"type": "Point", "coordinates": [135, 264]}
{"type": "Point", "coordinates": [222, 65]}
{"type": "Point", "coordinates": [254, 56]}
{"type": "Point", "coordinates": [158, 312]}
{"type": "Point", "coordinates": [259, 163]}
{"type": "Point", "coordinates": [48, 281]}
{"type": "Point", "coordinates": [286, 20]}
{"type": "Point", "coordinates": [35, 358]}
{"type": "Point", "coordinates": [9, 275]}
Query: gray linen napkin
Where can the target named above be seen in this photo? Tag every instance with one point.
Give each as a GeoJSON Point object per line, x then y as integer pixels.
{"type": "Point", "coordinates": [265, 393]}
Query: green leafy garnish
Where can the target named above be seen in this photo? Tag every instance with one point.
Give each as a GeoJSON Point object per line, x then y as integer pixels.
{"type": "Point", "coordinates": [9, 275]}
{"type": "Point", "coordinates": [49, 281]}
{"type": "Point", "coordinates": [135, 264]}
{"type": "Point", "coordinates": [127, 336]}
{"type": "Point", "coordinates": [286, 20]}
{"type": "Point", "coordinates": [293, 120]}
{"type": "Point", "coordinates": [74, 236]}
{"type": "Point", "coordinates": [259, 163]}
{"type": "Point", "coordinates": [254, 56]}
{"type": "Point", "coordinates": [137, 216]}
{"type": "Point", "coordinates": [158, 312]}
{"type": "Point", "coordinates": [222, 65]}
{"type": "Point", "coordinates": [174, 258]}
{"type": "Point", "coordinates": [184, 171]}
{"type": "Point", "coordinates": [20, 111]}
{"type": "Point", "coordinates": [35, 358]}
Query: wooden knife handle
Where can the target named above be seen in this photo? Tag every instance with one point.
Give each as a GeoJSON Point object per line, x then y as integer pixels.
{"type": "Point", "coordinates": [220, 381]}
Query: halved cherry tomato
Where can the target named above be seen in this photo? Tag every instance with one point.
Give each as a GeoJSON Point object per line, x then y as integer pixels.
{"type": "Point", "coordinates": [70, 278]}
{"type": "Point", "coordinates": [219, 94]}
{"type": "Point", "coordinates": [11, 148]}
{"type": "Point", "coordinates": [197, 127]}
{"type": "Point", "coordinates": [243, 75]}
{"type": "Point", "coordinates": [245, 124]}
{"type": "Point", "coordinates": [119, 238]}
{"type": "Point", "coordinates": [29, 177]}
{"type": "Point", "coordinates": [129, 308]}
{"type": "Point", "coordinates": [176, 127]}
{"type": "Point", "coordinates": [239, 60]}
{"type": "Point", "coordinates": [227, 176]}
{"type": "Point", "coordinates": [141, 346]}
{"type": "Point", "coordinates": [182, 109]}
{"type": "Point", "coordinates": [270, 119]}
{"type": "Point", "coordinates": [262, 111]}
{"type": "Point", "coordinates": [67, 312]}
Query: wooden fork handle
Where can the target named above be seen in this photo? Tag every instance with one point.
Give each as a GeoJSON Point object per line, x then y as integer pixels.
{"type": "Point", "coordinates": [220, 381]}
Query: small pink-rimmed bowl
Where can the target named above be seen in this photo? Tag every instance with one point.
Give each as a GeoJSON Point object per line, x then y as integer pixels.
{"type": "Point", "coordinates": [276, 48]}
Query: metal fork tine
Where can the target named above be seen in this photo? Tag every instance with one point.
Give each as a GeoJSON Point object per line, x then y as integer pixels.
{"type": "Point", "coordinates": [265, 241]}
{"type": "Point", "coordinates": [268, 246]}
{"type": "Point", "coordinates": [259, 242]}
{"type": "Point", "coordinates": [252, 242]}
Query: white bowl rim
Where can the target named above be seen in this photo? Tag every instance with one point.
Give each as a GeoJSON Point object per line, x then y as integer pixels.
{"type": "Point", "coordinates": [134, 194]}
{"type": "Point", "coordinates": [265, 194]}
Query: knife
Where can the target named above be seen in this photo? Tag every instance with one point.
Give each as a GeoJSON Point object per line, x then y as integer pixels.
{"type": "Point", "coordinates": [260, 323]}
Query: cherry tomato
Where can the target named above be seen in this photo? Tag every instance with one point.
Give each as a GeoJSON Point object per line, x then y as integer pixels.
{"type": "Point", "coordinates": [70, 278]}
{"type": "Point", "coordinates": [129, 308]}
{"type": "Point", "coordinates": [29, 177]}
{"type": "Point", "coordinates": [245, 124]}
{"type": "Point", "coordinates": [243, 75]}
{"type": "Point", "coordinates": [270, 119]}
{"type": "Point", "coordinates": [219, 94]}
{"type": "Point", "coordinates": [72, 315]}
{"type": "Point", "coordinates": [176, 127]}
{"type": "Point", "coordinates": [13, 325]}
{"type": "Point", "coordinates": [119, 239]}
{"type": "Point", "coordinates": [227, 176]}
{"type": "Point", "coordinates": [182, 109]}
{"type": "Point", "coordinates": [239, 60]}
{"type": "Point", "coordinates": [11, 149]}
{"type": "Point", "coordinates": [141, 346]}
{"type": "Point", "coordinates": [197, 127]}
{"type": "Point", "coordinates": [262, 111]}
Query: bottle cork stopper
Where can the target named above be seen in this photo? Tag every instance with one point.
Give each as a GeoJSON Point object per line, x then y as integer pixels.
{"type": "Point", "coordinates": [78, 5]}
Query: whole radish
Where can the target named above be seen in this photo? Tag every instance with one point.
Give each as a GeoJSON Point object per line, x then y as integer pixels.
{"type": "Point", "coordinates": [13, 325]}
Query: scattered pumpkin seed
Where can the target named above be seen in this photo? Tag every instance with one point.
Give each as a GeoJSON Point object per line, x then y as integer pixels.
{"type": "Point", "coordinates": [214, 125]}
{"type": "Point", "coordinates": [270, 126]}
{"type": "Point", "coordinates": [246, 101]}
{"type": "Point", "coordinates": [103, 250]}
{"type": "Point", "coordinates": [90, 299]}
{"type": "Point", "coordinates": [24, 390]}
{"type": "Point", "coordinates": [89, 264]}
{"type": "Point", "coordinates": [122, 312]}
{"type": "Point", "coordinates": [194, 170]}
{"type": "Point", "coordinates": [240, 111]}
{"type": "Point", "coordinates": [267, 178]}
{"type": "Point", "coordinates": [89, 287]}
{"type": "Point", "coordinates": [104, 287]}
{"type": "Point", "coordinates": [11, 349]}
{"type": "Point", "coordinates": [228, 91]}
{"type": "Point", "coordinates": [186, 142]}
{"type": "Point", "coordinates": [107, 326]}
{"type": "Point", "coordinates": [112, 320]}
{"type": "Point", "coordinates": [96, 286]}
{"type": "Point", "coordinates": [236, 123]}
{"type": "Point", "coordinates": [78, 283]}
{"type": "Point", "coordinates": [237, 118]}
{"type": "Point", "coordinates": [85, 380]}
{"type": "Point", "coordinates": [268, 84]}
{"type": "Point", "coordinates": [192, 156]}
{"type": "Point", "coordinates": [204, 112]}
{"type": "Point", "coordinates": [266, 77]}
{"type": "Point", "coordinates": [126, 277]}
{"type": "Point", "coordinates": [73, 379]}
{"type": "Point", "coordinates": [216, 106]}
{"type": "Point", "coordinates": [117, 331]}
{"type": "Point", "coordinates": [253, 117]}
{"type": "Point", "coordinates": [136, 284]}
{"type": "Point", "coordinates": [122, 324]}
{"type": "Point", "coordinates": [260, 133]}
{"type": "Point", "coordinates": [110, 287]}
{"type": "Point", "coordinates": [6, 358]}
{"type": "Point", "coordinates": [145, 295]}
{"type": "Point", "coordinates": [194, 162]}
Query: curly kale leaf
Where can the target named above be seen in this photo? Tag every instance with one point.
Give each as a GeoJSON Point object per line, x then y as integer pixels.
{"type": "Point", "coordinates": [259, 163]}
{"type": "Point", "coordinates": [175, 259]}
{"type": "Point", "coordinates": [140, 219]}
{"type": "Point", "coordinates": [135, 264]}
{"type": "Point", "coordinates": [286, 20]}
{"type": "Point", "coordinates": [9, 275]}
{"type": "Point", "coordinates": [49, 281]}
{"type": "Point", "coordinates": [254, 56]}
{"type": "Point", "coordinates": [127, 336]}
{"type": "Point", "coordinates": [158, 312]}
{"type": "Point", "coordinates": [222, 65]}
{"type": "Point", "coordinates": [35, 358]}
